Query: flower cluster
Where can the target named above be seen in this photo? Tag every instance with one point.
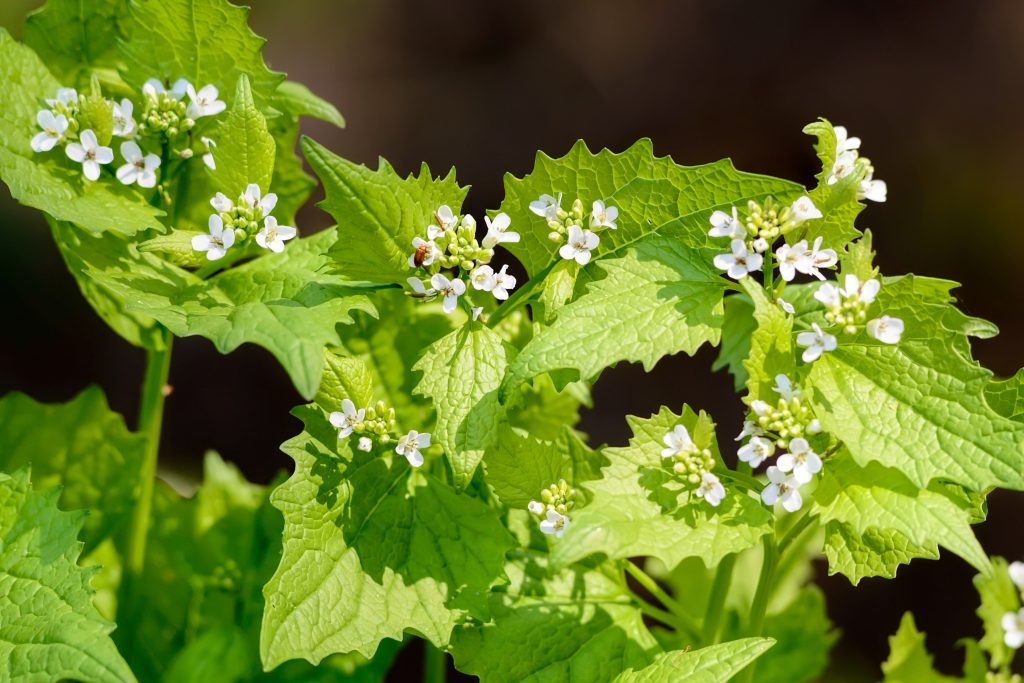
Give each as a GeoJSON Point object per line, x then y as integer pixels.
{"type": "Point", "coordinates": [782, 427]}
{"type": "Point", "coordinates": [1013, 622]}
{"type": "Point", "coordinates": [451, 244]}
{"type": "Point", "coordinates": [848, 160]}
{"type": "Point", "coordinates": [694, 464]}
{"type": "Point", "coordinates": [758, 230]}
{"type": "Point", "coordinates": [377, 423]}
{"type": "Point", "coordinates": [241, 219]}
{"type": "Point", "coordinates": [86, 123]}
{"type": "Point", "coordinates": [568, 226]}
{"type": "Point", "coordinates": [553, 508]}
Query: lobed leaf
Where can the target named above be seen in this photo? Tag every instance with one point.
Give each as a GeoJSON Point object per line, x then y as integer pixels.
{"type": "Point", "coordinates": [75, 38]}
{"type": "Point", "coordinates": [245, 149]}
{"type": "Point", "coordinates": [707, 665]}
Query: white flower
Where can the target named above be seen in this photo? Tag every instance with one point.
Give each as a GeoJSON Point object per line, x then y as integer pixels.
{"type": "Point", "coordinates": [756, 451]}
{"type": "Point", "coordinates": [89, 153]}
{"type": "Point", "coordinates": [603, 216]}
{"type": "Point", "coordinates": [139, 169]}
{"type": "Point", "coordinates": [739, 262]}
{"type": "Point", "coordinates": [784, 387]}
{"type": "Point", "coordinates": [221, 203]}
{"type": "Point", "coordinates": [843, 166]}
{"type": "Point", "coordinates": [547, 206]}
{"type": "Point", "coordinates": [759, 407]}
{"type": "Point", "coordinates": [816, 342]}
{"type": "Point", "coordinates": [154, 87]}
{"type": "Point", "coordinates": [204, 102]}
{"type": "Point", "coordinates": [423, 250]}
{"type": "Point", "coordinates": [792, 259]}
{"type": "Point", "coordinates": [1016, 572]}
{"type": "Point", "coordinates": [482, 278]}
{"type": "Point", "coordinates": [864, 292]}
{"type": "Point", "coordinates": [829, 294]}
{"type": "Point", "coordinates": [65, 96]}
{"type": "Point", "coordinates": [346, 420]}
{"type": "Point", "coordinates": [785, 306]}
{"type": "Point", "coordinates": [451, 290]}
{"type": "Point", "coordinates": [410, 445]}
{"type": "Point", "coordinates": [886, 329]}
{"type": "Point", "coordinates": [217, 242]}
{"type": "Point", "coordinates": [819, 258]}
{"type": "Point", "coordinates": [53, 130]}
{"type": "Point", "coordinates": [555, 523]}
{"type": "Point", "coordinates": [875, 190]}
{"type": "Point", "coordinates": [446, 218]}
{"type": "Point", "coordinates": [273, 236]}
{"type": "Point", "coordinates": [711, 489]}
{"type": "Point", "coordinates": [782, 488]}
{"type": "Point", "coordinates": [251, 198]}
{"type": "Point", "coordinates": [503, 282]}
{"type": "Point", "coordinates": [1013, 625]}
{"type": "Point", "coordinates": [417, 286]}
{"type": "Point", "coordinates": [536, 507]}
{"type": "Point", "coordinates": [677, 442]}
{"type": "Point", "coordinates": [124, 124]}
{"type": "Point", "coordinates": [210, 145]}
{"type": "Point", "coordinates": [498, 232]}
{"type": "Point", "coordinates": [801, 460]}
{"type": "Point", "coordinates": [724, 225]}
{"type": "Point", "coordinates": [365, 444]}
{"type": "Point", "coordinates": [804, 209]}
{"type": "Point", "coordinates": [750, 428]}
{"type": "Point", "coordinates": [844, 143]}
{"type": "Point", "coordinates": [581, 243]}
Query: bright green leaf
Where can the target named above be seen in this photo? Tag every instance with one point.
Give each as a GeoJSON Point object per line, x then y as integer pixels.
{"type": "Point", "coordinates": [295, 99]}
{"type": "Point", "coordinates": [711, 664]}
{"type": "Point", "coordinates": [838, 202]}
{"type": "Point", "coordinates": [737, 328]}
{"type": "Point", "coordinates": [771, 345]}
{"type": "Point", "coordinates": [909, 661]}
{"type": "Point", "coordinates": [803, 637]}
{"type": "Point", "coordinates": [245, 149]}
{"type": "Point", "coordinates": [873, 552]}
{"type": "Point", "coordinates": [1006, 397]}
{"type": "Point", "coordinates": [74, 37]}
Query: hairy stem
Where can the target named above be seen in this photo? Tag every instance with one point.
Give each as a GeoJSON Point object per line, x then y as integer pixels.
{"type": "Point", "coordinates": [765, 585]}
{"type": "Point", "coordinates": [435, 664]}
{"type": "Point", "coordinates": [716, 601]}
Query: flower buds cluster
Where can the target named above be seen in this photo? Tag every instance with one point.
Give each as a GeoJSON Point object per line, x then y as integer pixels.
{"type": "Point", "coordinates": [847, 307]}
{"type": "Point", "coordinates": [568, 226]}
{"type": "Point", "coordinates": [848, 161]}
{"type": "Point", "coordinates": [377, 422]}
{"type": "Point", "coordinates": [694, 464]}
{"type": "Point", "coordinates": [164, 111]}
{"type": "Point", "coordinates": [553, 507]}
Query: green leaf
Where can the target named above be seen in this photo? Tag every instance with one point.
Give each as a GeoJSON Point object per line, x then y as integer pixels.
{"type": "Point", "coordinates": [737, 328]}
{"type": "Point", "coordinates": [1006, 397]}
{"type": "Point", "coordinates": [49, 629]}
{"type": "Point", "coordinates": [803, 635]}
{"type": "Point", "coordinates": [998, 596]}
{"type": "Point", "coordinates": [74, 38]}
{"type": "Point", "coordinates": [876, 497]}
{"type": "Point", "coordinates": [204, 41]}
{"type": "Point", "coordinates": [771, 345]}
{"type": "Point", "coordinates": [919, 406]}
{"type": "Point", "coordinates": [81, 446]}
{"type": "Point", "coordinates": [220, 654]}
{"type": "Point", "coordinates": [461, 374]}
{"type": "Point", "coordinates": [640, 507]}
{"type": "Point", "coordinates": [873, 552]}
{"type": "Point", "coordinates": [245, 149]}
{"type": "Point", "coordinates": [290, 183]}
{"type": "Point", "coordinates": [837, 202]}
{"type": "Point", "coordinates": [658, 298]}
{"type": "Point", "coordinates": [378, 212]}
{"type": "Point", "coordinates": [909, 661]}
{"type": "Point", "coordinates": [49, 181]}
{"type": "Point", "coordinates": [282, 302]}
{"type": "Point", "coordinates": [295, 99]}
{"type": "Point", "coordinates": [711, 664]}
{"type": "Point", "coordinates": [653, 194]}
{"type": "Point", "coordinates": [372, 548]}
{"type": "Point", "coordinates": [543, 411]}
{"type": "Point", "coordinates": [578, 625]}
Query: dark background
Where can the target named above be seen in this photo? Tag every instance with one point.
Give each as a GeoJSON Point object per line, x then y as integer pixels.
{"type": "Point", "coordinates": [932, 88]}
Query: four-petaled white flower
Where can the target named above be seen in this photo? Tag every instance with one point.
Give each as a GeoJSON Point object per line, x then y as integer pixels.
{"type": "Point", "coordinates": [784, 488]}
{"type": "Point", "coordinates": [251, 197]}
{"type": "Point", "coordinates": [844, 143]}
{"type": "Point", "coordinates": [210, 145]}
{"type": "Point", "coordinates": [800, 460]}
{"type": "Point", "coordinates": [221, 203]}
{"type": "Point", "coordinates": [446, 218]}
{"type": "Point", "coordinates": [65, 96]}
{"type": "Point", "coordinates": [871, 188]}
{"type": "Point", "coordinates": [1013, 629]}
{"type": "Point", "coordinates": [842, 167]}
{"type": "Point", "coordinates": [424, 251]}
{"type": "Point", "coordinates": [139, 169]}
{"type": "Point", "coordinates": [535, 507]}
{"type": "Point", "coordinates": [756, 451]}
{"type": "Point", "coordinates": [1016, 572]}
{"type": "Point", "coordinates": [817, 342]}
{"type": "Point", "coordinates": [451, 290]}
{"type": "Point", "coordinates": [498, 232]}
{"type": "Point", "coordinates": [217, 242]}
{"type": "Point", "coordinates": [503, 282]}
{"type": "Point", "coordinates": [410, 445]}
{"type": "Point", "coordinates": [581, 243]}
{"type": "Point", "coordinates": [154, 87]}
{"type": "Point", "coordinates": [547, 206]}
{"type": "Point", "coordinates": [885, 329]}
{"type": "Point", "coordinates": [273, 236]}
{"type": "Point", "coordinates": [603, 216]}
{"type": "Point", "coordinates": [482, 278]}
{"type": "Point", "coordinates": [347, 419]}
{"type": "Point", "coordinates": [365, 444]}
{"type": "Point", "coordinates": [53, 127]}
{"type": "Point", "coordinates": [677, 442]}
{"type": "Point", "coordinates": [124, 124]}
{"type": "Point", "coordinates": [804, 209]}
{"type": "Point", "coordinates": [710, 489]}
{"type": "Point", "coordinates": [417, 286]}
{"type": "Point", "coordinates": [792, 258]}
{"type": "Point", "coordinates": [88, 152]}
{"type": "Point", "coordinates": [818, 258]}
{"type": "Point", "coordinates": [739, 262]}
{"type": "Point", "coordinates": [204, 102]}
{"type": "Point", "coordinates": [554, 523]}
{"type": "Point", "coordinates": [724, 225]}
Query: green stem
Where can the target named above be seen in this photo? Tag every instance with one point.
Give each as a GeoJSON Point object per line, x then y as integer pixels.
{"type": "Point", "coordinates": [794, 532]}
{"type": "Point", "coordinates": [765, 585]}
{"type": "Point", "coordinates": [435, 664]}
{"type": "Point", "coordinates": [151, 410]}
{"type": "Point", "coordinates": [660, 614]}
{"type": "Point", "coordinates": [769, 275]}
{"type": "Point", "coordinates": [716, 601]}
{"type": "Point", "coordinates": [678, 618]}
{"type": "Point", "coordinates": [520, 296]}
{"type": "Point", "coordinates": [652, 587]}
{"type": "Point", "coordinates": [742, 478]}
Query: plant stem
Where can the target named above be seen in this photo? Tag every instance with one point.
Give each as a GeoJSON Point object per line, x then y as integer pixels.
{"type": "Point", "coordinates": [677, 619]}
{"type": "Point", "coordinates": [660, 614]}
{"type": "Point", "coordinates": [765, 585]}
{"type": "Point", "coordinates": [151, 410]}
{"type": "Point", "coordinates": [435, 664]}
{"type": "Point", "coordinates": [794, 532]}
{"type": "Point", "coordinates": [520, 296]}
{"type": "Point", "coordinates": [769, 275]}
{"type": "Point", "coordinates": [716, 601]}
{"type": "Point", "coordinates": [652, 587]}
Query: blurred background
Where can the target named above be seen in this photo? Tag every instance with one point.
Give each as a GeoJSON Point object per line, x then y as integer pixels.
{"type": "Point", "coordinates": [933, 89]}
